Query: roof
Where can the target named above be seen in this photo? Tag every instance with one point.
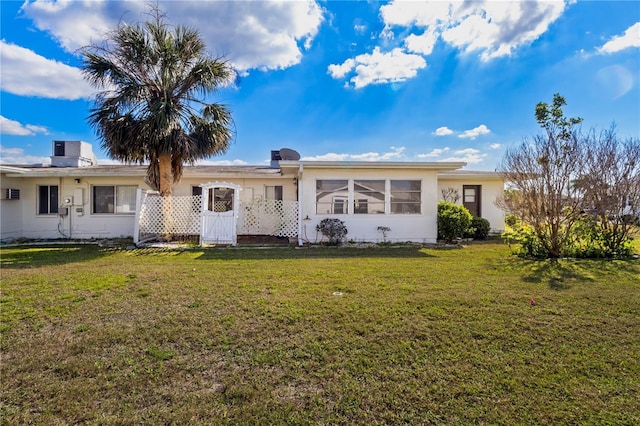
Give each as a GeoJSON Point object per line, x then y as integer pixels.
{"type": "Point", "coordinates": [448, 170]}
{"type": "Point", "coordinates": [12, 169]}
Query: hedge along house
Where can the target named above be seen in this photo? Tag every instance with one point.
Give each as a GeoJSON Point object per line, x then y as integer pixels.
{"type": "Point", "coordinates": [74, 198]}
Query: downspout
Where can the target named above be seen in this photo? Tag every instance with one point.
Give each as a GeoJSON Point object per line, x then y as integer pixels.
{"type": "Point", "coordinates": [300, 204]}
{"type": "Point", "coordinates": [136, 223]}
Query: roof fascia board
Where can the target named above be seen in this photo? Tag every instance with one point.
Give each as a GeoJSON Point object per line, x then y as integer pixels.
{"type": "Point", "coordinates": [374, 165]}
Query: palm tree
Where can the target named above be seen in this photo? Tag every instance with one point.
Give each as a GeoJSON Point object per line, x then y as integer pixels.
{"type": "Point", "coordinates": [149, 109]}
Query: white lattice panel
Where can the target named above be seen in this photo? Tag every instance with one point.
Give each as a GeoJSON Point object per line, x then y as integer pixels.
{"type": "Point", "coordinates": [268, 217]}
{"type": "Point", "coordinates": [181, 216]}
{"type": "Point", "coordinates": [170, 215]}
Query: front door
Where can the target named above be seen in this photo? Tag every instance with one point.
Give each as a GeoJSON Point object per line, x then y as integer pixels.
{"type": "Point", "coordinates": [471, 198]}
{"type": "Point", "coordinates": [219, 214]}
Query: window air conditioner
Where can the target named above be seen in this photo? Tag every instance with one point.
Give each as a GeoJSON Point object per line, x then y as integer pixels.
{"type": "Point", "coordinates": [12, 194]}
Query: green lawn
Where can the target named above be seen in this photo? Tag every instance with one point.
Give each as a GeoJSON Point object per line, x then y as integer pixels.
{"type": "Point", "coordinates": [106, 336]}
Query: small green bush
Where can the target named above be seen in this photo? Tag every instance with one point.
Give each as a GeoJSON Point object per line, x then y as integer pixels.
{"type": "Point", "coordinates": [479, 229]}
{"type": "Point", "coordinates": [525, 237]}
{"type": "Point", "coordinates": [334, 229]}
{"type": "Point", "coordinates": [587, 240]}
{"type": "Point", "coordinates": [453, 221]}
{"type": "Point", "coordinates": [511, 220]}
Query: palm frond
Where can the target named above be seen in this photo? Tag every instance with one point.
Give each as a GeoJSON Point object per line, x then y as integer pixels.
{"type": "Point", "coordinates": [151, 78]}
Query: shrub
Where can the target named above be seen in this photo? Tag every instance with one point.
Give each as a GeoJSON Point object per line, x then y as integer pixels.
{"type": "Point", "coordinates": [453, 221]}
{"type": "Point", "coordinates": [511, 220]}
{"type": "Point", "coordinates": [525, 237]}
{"type": "Point", "coordinates": [334, 229]}
{"type": "Point", "coordinates": [479, 228]}
{"type": "Point", "coordinates": [586, 240]}
{"type": "Point", "coordinates": [591, 240]}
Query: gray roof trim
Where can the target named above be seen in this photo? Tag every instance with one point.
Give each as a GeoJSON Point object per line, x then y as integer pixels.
{"type": "Point", "coordinates": [469, 174]}
{"type": "Point", "coordinates": [137, 171]}
{"type": "Point", "coordinates": [12, 169]}
{"type": "Point", "coordinates": [421, 165]}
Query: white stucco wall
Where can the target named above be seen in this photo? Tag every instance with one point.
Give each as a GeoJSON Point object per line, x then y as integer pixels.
{"type": "Point", "coordinates": [20, 218]}
{"type": "Point", "coordinates": [80, 222]}
{"type": "Point", "coordinates": [491, 188]}
{"type": "Point", "coordinates": [11, 210]}
{"type": "Point", "coordinates": [363, 227]}
{"type": "Point", "coordinates": [251, 188]}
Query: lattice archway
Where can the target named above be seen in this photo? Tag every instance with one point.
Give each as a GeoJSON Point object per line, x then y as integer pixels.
{"type": "Point", "coordinates": [219, 216]}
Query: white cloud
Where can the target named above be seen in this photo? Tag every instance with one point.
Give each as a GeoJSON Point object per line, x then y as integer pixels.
{"type": "Point", "coordinates": [251, 35]}
{"type": "Point", "coordinates": [340, 71]}
{"type": "Point", "coordinates": [12, 127]}
{"type": "Point", "coordinates": [17, 156]}
{"type": "Point", "coordinates": [423, 43]}
{"type": "Point", "coordinates": [110, 161]}
{"type": "Point", "coordinates": [443, 131]}
{"type": "Point", "coordinates": [359, 28]}
{"type": "Point", "coordinates": [493, 29]}
{"type": "Point", "coordinates": [221, 163]}
{"type": "Point", "coordinates": [475, 132]}
{"type": "Point", "coordinates": [467, 155]}
{"type": "Point", "coordinates": [379, 68]}
{"type": "Point", "coordinates": [466, 151]}
{"type": "Point", "coordinates": [436, 152]}
{"type": "Point", "coordinates": [495, 146]}
{"type": "Point", "coordinates": [630, 38]}
{"type": "Point", "coordinates": [26, 73]}
{"type": "Point", "coordinates": [395, 154]}
{"type": "Point", "coordinates": [330, 156]}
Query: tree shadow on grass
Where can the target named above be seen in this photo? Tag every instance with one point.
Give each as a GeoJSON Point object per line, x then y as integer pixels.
{"type": "Point", "coordinates": [309, 253]}
{"type": "Point", "coordinates": [558, 275]}
{"type": "Point", "coordinates": [562, 274]}
{"type": "Point", "coordinates": [33, 256]}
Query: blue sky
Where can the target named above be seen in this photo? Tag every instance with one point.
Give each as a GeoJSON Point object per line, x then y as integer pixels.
{"type": "Point", "coordinates": [374, 81]}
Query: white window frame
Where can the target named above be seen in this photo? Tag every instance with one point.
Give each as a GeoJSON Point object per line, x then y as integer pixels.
{"type": "Point", "coordinates": [417, 203]}
{"type": "Point", "coordinates": [271, 192]}
{"type": "Point", "coordinates": [115, 207]}
{"type": "Point", "coordinates": [351, 199]}
{"type": "Point", "coordinates": [52, 208]}
{"type": "Point", "coordinates": [357, 199]}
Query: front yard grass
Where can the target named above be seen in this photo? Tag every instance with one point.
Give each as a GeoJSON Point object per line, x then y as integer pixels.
{"type": "Point", "coordinates": [391, 335]}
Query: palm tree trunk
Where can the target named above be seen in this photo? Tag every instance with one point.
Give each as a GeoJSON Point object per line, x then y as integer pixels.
{"type": "Point", "coordinates": [166, 177]}
{"type": "Point", "coordinates": [166, 180]}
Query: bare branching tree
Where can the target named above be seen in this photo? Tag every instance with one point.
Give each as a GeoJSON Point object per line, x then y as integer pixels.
{"type": "Point", "coordinates": [450, 195]}
{"type": "Point", "coordinates": [610, 184]}
{"type": "Point", "coordinates": [574, 190]}
{"type": "Point", "coordinates": [541, 171]}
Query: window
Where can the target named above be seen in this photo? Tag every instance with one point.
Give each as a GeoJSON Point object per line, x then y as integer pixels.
{"type": "Point", "coordinates": [406, 196]}
{"type": "Point", "coordinates": [221, 200]}
{"type": "Point", "coordinates": [114, 199]}
{"type": "Point", "coordinates": [273, 192]}
{"type": "Point", "coordinates": [332, 196]}
{"type": "Point", "coordinates": [48, 199]}
{"type": "Point", "coordinates": [368, 196]}
{"type": "Point", "coordinates": [469, 195]}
